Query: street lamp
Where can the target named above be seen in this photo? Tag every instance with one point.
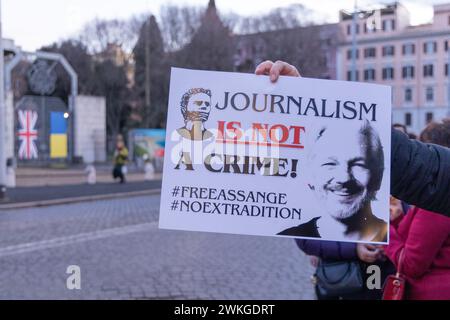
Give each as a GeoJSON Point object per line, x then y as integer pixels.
{"type": "Point", "coordinates": [2, 118]}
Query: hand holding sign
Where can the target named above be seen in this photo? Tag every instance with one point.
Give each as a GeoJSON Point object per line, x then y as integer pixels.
{"type": "Point", "coordinates": [274, 70]}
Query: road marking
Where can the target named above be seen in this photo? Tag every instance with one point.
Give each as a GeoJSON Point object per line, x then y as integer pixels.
{"type": "Point", "coordinates": [73, 239]}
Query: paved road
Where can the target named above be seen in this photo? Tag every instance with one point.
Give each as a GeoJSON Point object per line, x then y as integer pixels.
{"type": "Point", "coordinates": [123, 255]}
{"type": "Point", "coordinates": [41, 193]}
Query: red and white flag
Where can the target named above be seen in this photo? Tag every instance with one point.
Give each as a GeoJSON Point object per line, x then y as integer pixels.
{"type": "Point", "coordinates": [28, 134]}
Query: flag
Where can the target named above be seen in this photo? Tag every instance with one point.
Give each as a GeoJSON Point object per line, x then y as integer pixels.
{"type": "Point", "coordinates": [28, 134]}
{"type": "Point", "coordinates": [58, 135]}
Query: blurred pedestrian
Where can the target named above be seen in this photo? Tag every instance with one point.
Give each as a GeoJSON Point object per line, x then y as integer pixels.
{"type": "Point", "coordinates": [412, 136]}
{"type": "Point", "coordinates": [91, 174]}
{"type": "Point", "coordinates": [149, 168]}
{"type": "Point", "coordinates": [400, 127]}
{"type": "Point", "coordinates": [120, 160]}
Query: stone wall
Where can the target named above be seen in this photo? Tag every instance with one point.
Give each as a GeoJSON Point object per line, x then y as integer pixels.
{"type": "Point", "coordinates": [90, 129]}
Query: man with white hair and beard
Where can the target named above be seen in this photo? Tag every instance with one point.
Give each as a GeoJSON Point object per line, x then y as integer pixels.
{"type": "Point", "coordinates": [195, 108]}
{"type": "Point", "coordinates": [345, 180]}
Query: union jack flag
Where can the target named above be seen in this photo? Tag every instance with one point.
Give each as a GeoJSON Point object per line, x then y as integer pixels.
{"type": "Point", "coordinates": [28, 134]}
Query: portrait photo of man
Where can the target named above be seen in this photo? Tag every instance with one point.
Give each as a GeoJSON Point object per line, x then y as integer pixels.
{"type": "Point", "coordinates": [346, 174]}
{"type": "Point", "coordinates": [195, 108]}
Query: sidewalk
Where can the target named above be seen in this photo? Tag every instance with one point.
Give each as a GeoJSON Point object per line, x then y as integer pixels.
{"type": "Point", "coordinates": [36, 177]}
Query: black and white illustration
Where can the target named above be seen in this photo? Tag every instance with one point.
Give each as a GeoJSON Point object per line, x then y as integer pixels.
{"type": "Point", "coordinates": [195, 108]}
{"type": "Point", "coordinates": [346, 174]}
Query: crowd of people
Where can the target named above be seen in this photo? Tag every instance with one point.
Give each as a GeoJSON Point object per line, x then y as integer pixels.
{"type": "Point", "coordinates": [418, 253]}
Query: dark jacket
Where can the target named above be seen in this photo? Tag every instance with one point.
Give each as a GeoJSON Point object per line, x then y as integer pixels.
{"type": "Point", "coordinates": [328, 250]}
{"type": "Point", "coordinates": [420, 173]}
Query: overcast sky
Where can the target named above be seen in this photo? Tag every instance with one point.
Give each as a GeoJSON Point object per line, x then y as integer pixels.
{"type": "Point", "coordinates": [34, 23]}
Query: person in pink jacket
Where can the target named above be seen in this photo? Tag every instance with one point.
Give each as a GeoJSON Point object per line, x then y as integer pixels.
{"type": "Point", "coordinates": [423, 237]}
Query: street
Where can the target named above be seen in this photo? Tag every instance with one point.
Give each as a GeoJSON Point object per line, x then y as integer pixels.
{"type": "Point", "coordinates": [123, 255]}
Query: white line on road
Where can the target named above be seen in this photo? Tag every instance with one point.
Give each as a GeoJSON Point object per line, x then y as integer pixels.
{"type": "Point", "coordinates": [77, 238]}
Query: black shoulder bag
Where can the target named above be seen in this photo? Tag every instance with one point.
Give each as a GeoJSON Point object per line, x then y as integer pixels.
{"type": "Point", "coordinates": [337, 280]}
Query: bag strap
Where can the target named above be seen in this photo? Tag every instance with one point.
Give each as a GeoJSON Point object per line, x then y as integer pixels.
{"type": "Point", "coordinates": [400, 263]}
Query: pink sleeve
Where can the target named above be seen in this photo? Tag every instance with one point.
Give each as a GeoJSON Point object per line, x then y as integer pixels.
{"type": "Point", "coordinates": [397, 221]}
{"type": "Point", "coordinates": [427, 233]}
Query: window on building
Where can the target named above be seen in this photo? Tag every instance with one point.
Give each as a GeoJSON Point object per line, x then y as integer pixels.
{"type": "Point", "coordinates": [446, 45]}
{"type": "Point", "coordinates": [388, 51]}
{"type": "Point", "coordinates": [429, 117]}
{"type": "Point", "coordinates": [430, 47]}
{"type": "Point", "coordinates": [428, 70]}
{"type": "Point", "coordinates": [349, 75]}
{"type": "Point", "coordinates": [408, 119]}
{"type": "Point", "coordinates": [388, 73]}
{"type": "Point", "coordinates": [370, 52]}
{"type": "Point", "coordinates": [408, 95]}
{"type": "Point", "coordinates": [429, 94]}
{"type": "Point", "coordinates": [349, 29]}
{"type": "Point", "coordinates": [350, 52]}
{"type": "Point", "coordinates": [408, 72]}
{"type": "Point", "coordinates": [374, 25]}
{"type": "Point", "coordinates": [409, 48]}
{"type": "Point", "coordinates": [446, 69]}
{"type": "Point", "coordinates": [369, 74]}
{"type": "Point", "coordinates": [388, 25]}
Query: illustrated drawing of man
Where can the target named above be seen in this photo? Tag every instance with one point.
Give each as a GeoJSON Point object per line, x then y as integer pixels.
{"type": "Point", "coordinates": [195, 107]}
{"type": "Point", "coordinates": [345, 180]}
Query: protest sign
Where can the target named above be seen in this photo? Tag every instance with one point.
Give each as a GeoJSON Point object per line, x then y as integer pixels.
{"type": "Point", "coordinates": [301, 158]}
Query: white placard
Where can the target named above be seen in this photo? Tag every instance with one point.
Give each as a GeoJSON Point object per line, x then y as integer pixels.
{"type": "Point", "coordinates": [301, 158]}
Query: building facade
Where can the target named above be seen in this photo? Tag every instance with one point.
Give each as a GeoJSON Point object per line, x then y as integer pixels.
{"type": "Point", "coordinates": [252, 49]}
{"type": "Point", "coordinates": [413, 60]}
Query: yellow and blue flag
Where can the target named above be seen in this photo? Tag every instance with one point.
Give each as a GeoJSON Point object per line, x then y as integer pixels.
{"type": "Point", "coordinates": [58, 135]}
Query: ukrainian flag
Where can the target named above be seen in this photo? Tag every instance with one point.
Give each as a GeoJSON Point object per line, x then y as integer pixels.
{"type": "Point", "coordinates": [58, 135]}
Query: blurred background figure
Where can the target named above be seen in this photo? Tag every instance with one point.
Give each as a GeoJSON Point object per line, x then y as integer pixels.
{"type": "Point", "coordinates": [120, 160]}
{"type": "Point", "coordinates": [437, 133]}
{"type": "Point", "coordinates": [400, 127]}
{"type": "Point", "coordinates": [396, 208]}
{"type": "Point", "coordinates": [91, 174]}
{"type": "Point", "coordinates": [149, 168]}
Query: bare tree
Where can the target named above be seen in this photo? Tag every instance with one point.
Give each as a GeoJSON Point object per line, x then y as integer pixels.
{"type": "Point", "coordinates": [292, 16]}
{"type": "Point", "coordinates": [79, 58]}
{"type": "Point", "coordinates": [98, 34]}
{"type": "Point", "coordinates": [113, 86]}
{"type": "Point", "coordinates": [303, 47]}
{"type": "Point", "coordinates": [151, 76]}
{"type": "Point", "coordinates": [178, 25]}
